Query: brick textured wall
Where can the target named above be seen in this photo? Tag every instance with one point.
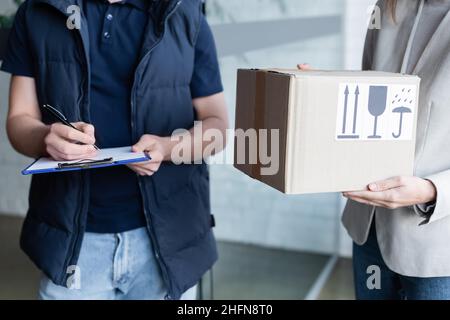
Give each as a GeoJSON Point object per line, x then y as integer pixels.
{"type": "Point", "coordinates": [247, 210]}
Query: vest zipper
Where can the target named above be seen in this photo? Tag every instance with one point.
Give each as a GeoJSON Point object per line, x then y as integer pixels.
{"type": "Point", "coordinates": [150, 229]}
{"type": "Point", "coordinates": [83, 185]}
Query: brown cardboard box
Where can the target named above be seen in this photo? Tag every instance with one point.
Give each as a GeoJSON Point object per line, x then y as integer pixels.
{"type": "Point", "coordinates": [335, 131]}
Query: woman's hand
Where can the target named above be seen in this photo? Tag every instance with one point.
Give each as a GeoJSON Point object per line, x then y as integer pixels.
{"type": "Point", "coordinates": [62, 142]}
{"type": "Point", "coordinates": [158, 148]}
{"type": "Point", "coordinates": [396, 193]}
{"type": "Point", "coordinates": [304, 67]}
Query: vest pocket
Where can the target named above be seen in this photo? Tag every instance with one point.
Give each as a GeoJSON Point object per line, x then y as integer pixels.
{"type": "Point", "coordinates": [173, 179]}
{"type": "Point", "coordinates": [54, 199]}
{"type": "Point", "coordinates": [181, 211]}
{"type": "Point", "coordinates": [46, 246]}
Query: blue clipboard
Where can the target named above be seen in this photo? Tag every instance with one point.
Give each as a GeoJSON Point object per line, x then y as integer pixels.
{"type": "Point", "coordinates": [106, 158]}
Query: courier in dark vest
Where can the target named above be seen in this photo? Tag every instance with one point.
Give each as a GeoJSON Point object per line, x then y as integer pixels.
{"type": "Point", "coordinates": [130, 74]}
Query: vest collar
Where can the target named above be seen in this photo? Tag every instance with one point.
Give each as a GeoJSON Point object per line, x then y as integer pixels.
{"type": "Point", "coordinates": [62, 5]}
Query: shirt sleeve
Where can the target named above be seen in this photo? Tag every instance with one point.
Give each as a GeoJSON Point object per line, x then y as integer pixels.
{"type": "Point", "coordinates": [18, 60]}
{"type": "Point", "coordinates": [206, 79]}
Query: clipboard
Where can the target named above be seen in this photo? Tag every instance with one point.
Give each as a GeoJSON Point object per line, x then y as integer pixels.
{"type": "Point", "coordinates": [104, 158]}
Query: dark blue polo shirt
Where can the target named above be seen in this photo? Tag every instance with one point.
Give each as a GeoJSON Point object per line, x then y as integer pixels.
{"type": "Point", "coordinates": [116, 34]}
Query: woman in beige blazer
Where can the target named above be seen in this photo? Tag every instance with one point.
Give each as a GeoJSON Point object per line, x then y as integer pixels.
{"type": "Point", "coordinates": [401, 226]}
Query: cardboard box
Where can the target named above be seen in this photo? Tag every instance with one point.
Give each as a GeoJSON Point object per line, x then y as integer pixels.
{"type": "Point", "coordinates": [337, 131]}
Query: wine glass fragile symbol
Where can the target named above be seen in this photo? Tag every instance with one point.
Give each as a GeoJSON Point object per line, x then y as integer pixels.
{"type": "Point", "coordinates": [377, 106]}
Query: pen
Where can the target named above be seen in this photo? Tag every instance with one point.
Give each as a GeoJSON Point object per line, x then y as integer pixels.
{"type": "Point", "coordinates": [58, 115]}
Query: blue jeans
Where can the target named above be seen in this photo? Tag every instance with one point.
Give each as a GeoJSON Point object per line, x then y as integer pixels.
{"type": "Point", "coordinates": [112, 267]}
{"type": "Point", "coordinates": [392, 286]}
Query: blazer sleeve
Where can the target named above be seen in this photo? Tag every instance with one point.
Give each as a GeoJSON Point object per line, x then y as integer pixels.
{"type": "Point", "coordinates": [441, 209]}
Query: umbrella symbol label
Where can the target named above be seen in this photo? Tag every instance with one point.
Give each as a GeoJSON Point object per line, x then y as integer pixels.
{"type": "Point", "coordinates": [374, 112]}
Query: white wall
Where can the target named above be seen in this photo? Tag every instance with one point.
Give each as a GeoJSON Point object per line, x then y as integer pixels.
{"type": "Point", "coordinates": [6, 6]}
{"type": "Point", "coordinates": [13, 187]}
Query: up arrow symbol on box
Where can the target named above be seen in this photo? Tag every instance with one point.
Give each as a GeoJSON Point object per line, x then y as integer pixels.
{"type": "Point", "coordinates": [355, 111]}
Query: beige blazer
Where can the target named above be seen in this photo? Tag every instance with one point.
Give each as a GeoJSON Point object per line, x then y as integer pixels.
{"type": "Point", "coordinates": [411, 243]}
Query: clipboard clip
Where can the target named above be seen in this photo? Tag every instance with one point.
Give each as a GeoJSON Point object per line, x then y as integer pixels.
{"type": "Point", "coordinates": [84, 164]}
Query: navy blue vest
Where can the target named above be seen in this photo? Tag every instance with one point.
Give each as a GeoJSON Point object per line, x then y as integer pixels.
{"type": "Point", "coordinates": [176, 199]}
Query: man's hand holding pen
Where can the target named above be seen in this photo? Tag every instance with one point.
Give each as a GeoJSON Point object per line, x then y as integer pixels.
{"type": "Point", "coordinates": [64, 143]}
{"type": "Point", "coordinates": [69, 141]}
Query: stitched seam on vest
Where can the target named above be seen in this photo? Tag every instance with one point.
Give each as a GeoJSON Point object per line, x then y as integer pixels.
{"type": "Point", "coordinates": [168, 87]}
{"type": "Point", "coordinates": [47, 61]}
